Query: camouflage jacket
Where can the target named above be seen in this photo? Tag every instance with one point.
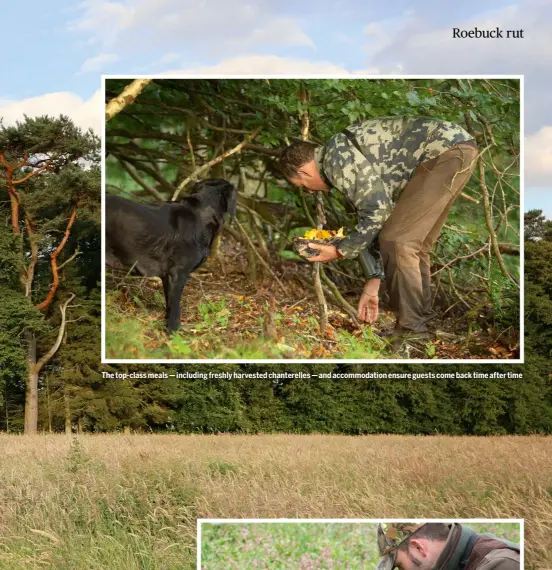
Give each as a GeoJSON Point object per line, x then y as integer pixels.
{"type": "Point", "coordinates": [392, 147]}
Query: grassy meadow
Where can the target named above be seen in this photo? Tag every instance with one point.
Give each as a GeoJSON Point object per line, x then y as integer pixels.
{"type": "Point", "coordinates": [127, 502]}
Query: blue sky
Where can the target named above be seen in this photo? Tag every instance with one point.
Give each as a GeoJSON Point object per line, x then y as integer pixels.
{"type": "Point", "coordinates": [55, 58]}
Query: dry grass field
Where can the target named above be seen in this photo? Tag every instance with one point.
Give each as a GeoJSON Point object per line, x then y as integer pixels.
{"type": "Point", "coordinates": [131, 502]}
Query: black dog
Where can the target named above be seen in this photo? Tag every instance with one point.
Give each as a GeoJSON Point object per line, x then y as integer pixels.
{"type": "Point", "coordinates": [169, 240]}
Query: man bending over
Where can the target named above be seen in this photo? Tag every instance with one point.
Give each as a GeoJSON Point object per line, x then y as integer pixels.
{"type": "Point", "coordinates": [402, 175]}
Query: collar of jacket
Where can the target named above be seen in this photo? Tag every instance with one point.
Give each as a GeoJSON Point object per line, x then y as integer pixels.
{"type": "Point", "coordinates": [319, 154]}
{"type": "Point", "coordinates": [455, 546]}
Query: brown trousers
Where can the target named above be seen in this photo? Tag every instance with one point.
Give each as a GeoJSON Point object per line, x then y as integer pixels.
{"type": "Point", "coordinates": [409, 234]}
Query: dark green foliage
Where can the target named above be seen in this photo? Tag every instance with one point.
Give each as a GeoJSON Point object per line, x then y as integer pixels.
{"type": "Point", "coordinates": [47, 199]}
{"type": "Point", "coordinates": [47, 136]}
{"type": "Point", "coordinates": [537, 226]}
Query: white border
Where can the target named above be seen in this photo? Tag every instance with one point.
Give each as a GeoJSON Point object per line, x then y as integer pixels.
{"type": "Point", "coordinates": [521, 523]}
{"type": "Point", "coordinates": [520, 360]}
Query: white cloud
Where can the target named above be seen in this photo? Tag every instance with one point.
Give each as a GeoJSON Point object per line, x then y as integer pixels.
{"type": "Point", "coordinates": [98, 63]}
{"type": "Point", "coordinates": [433, 51]}
{"type": "Point", "coordinates": [538, 157]}
{"type": "Point", "coordinates": [84, 113]}
{"type": "Point", "coordinates": [213, 27]}
{"type": "Point", "coordinates": [168, 58]}
{"type": "Point", "coordinates": [264, 64]}
{"type": "Point", "coordinates": [381, 34]}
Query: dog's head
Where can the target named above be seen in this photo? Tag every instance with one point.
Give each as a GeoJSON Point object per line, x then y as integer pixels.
{"type": "Point", "coordinates": [219, 193]}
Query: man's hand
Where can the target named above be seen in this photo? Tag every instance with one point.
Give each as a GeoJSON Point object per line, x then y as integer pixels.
{"type": "Point", "coordinates": [327, 252]}
{"type": "Point", "coordinates": [368, 306]}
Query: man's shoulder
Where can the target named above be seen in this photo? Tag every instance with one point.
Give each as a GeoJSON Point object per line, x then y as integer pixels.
{"type": "Point", "coordinates": [500, 559]}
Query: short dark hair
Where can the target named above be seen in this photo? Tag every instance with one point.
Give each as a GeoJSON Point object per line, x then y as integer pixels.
{"type": "Point", "coordinates": [294, 156]}
{"type": "Point", "coordinates": [431, 531]}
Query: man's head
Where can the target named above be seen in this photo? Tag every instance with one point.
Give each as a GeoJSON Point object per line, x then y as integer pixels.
{"type": "Point", "coordinates": [298, 166]}
{"type": "Point", "coordinates": [410, 546]}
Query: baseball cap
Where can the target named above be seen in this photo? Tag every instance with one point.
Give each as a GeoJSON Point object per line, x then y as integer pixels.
{"type": "Point", "coordinates": [390, 537]}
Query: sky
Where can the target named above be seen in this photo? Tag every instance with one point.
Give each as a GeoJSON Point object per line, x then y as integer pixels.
{"type": "Point", "coordinates": [53, 62]}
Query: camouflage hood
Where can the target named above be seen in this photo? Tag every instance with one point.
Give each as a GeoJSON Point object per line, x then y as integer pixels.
{"type": "Point", "coordinates": [390, 536]}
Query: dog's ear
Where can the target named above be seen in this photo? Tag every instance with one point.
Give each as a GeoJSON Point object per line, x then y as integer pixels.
{"type": "Point", "coordinates": [231, 195]}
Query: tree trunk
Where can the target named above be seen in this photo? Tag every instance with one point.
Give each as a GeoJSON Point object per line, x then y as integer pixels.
{"type": "Point", "coordinates": [31, 390]}
{"type": "Point", "coordinates": [6, 404]}
{"type": "Point", "coordinates": [126, 430]}
{"type": "Point", "coordinates": [49, 405]}
{"type": "Point", "coordinates": [67, 403]}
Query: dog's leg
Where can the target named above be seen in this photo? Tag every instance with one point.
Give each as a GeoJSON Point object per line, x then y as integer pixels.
{"type": "Point", "coordinates": [177, 280]}
{"type": "Point", "coordinates": [166, 291]}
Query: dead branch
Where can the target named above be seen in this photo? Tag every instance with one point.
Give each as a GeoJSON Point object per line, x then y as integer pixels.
{"type": "Point", "coordinates": [48, 356]}
{"type": "Point", "coordinates": [306, 208]}
{"type": "Point", "coordinates": [77, 252]}
{"type": "Point", "coordinates": [489, 221]}
{"type": "Point", "coordinates": [191, 148]}
{"type": "Point", "coordinates": [148, 170]}
{"type": "Point", "coordinates": [347, 307]}
{"type": "Point", "coordinates": [303, 96]}
{"type": "Point", "coordinates": [487, 205]}
{"type": "Point", "coordinates": [458, 230]}
{"type": "Point", "coordinates": [454, 288]}
{"type": "Point", "coordinates": [29, 273]}
{"type": "Point", "coordinates": [473, 254]}
{"type": "Point", "coordinates": [129, 94]}
{"type": "Point", "coordinates": [216, 160]}
{"type": "Point", "coordinates": [468, 197]}
{"type": "Point", "coordinates": [137, 178]}
{"type": "Point", "coordinates": [322, 304]}
{"type": "Point", "coordinates": [259, 256]}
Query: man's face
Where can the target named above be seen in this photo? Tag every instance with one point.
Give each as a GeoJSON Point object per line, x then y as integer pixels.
{"type": "Point", "coordinates": [309, 178]}
{"type": "Point", "coordinates": [419, 554]}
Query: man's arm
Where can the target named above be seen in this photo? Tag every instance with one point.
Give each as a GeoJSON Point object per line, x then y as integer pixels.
{"type": "Point", "coordinates": [352, 174]}
{"type": "Point", "coordinates": [376, 208]}
{"type": "Point", "coordinates": [371, 263]}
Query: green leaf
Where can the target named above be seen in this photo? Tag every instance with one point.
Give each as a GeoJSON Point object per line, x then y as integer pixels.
{"type": "Point", "coordinates": [413, 98]}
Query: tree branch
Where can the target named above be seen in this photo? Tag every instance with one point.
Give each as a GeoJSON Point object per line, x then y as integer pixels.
{"type": "Point", "coordinates": [77, 252]}
{"type": "Point", "coordinates": [303, 97]}
{"type": "Point", "coordinates": [208, 165]}
{"type": "Point", "coordinates": [137, 178]}
{"type": "Point", "coordinates": [29, 274]}
{"type": "Point", "coordinates": [129, 94]}
{"type": "Point", "coordinates": [488, 219]}
{"type": "Point", "coordinates": [48, 356]}
{"type": "Point", "coordinates": [473, 254]}
{"type": "Point", "coordinates": [263, 262]}
{"type": "Point", "coordinates": [53, 262]}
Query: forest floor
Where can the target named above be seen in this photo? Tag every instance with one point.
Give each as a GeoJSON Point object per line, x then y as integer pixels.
{"type": "Point", "coordinates": [130, 502]}
{"type": "Point", "coordinates": [227, 316]}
